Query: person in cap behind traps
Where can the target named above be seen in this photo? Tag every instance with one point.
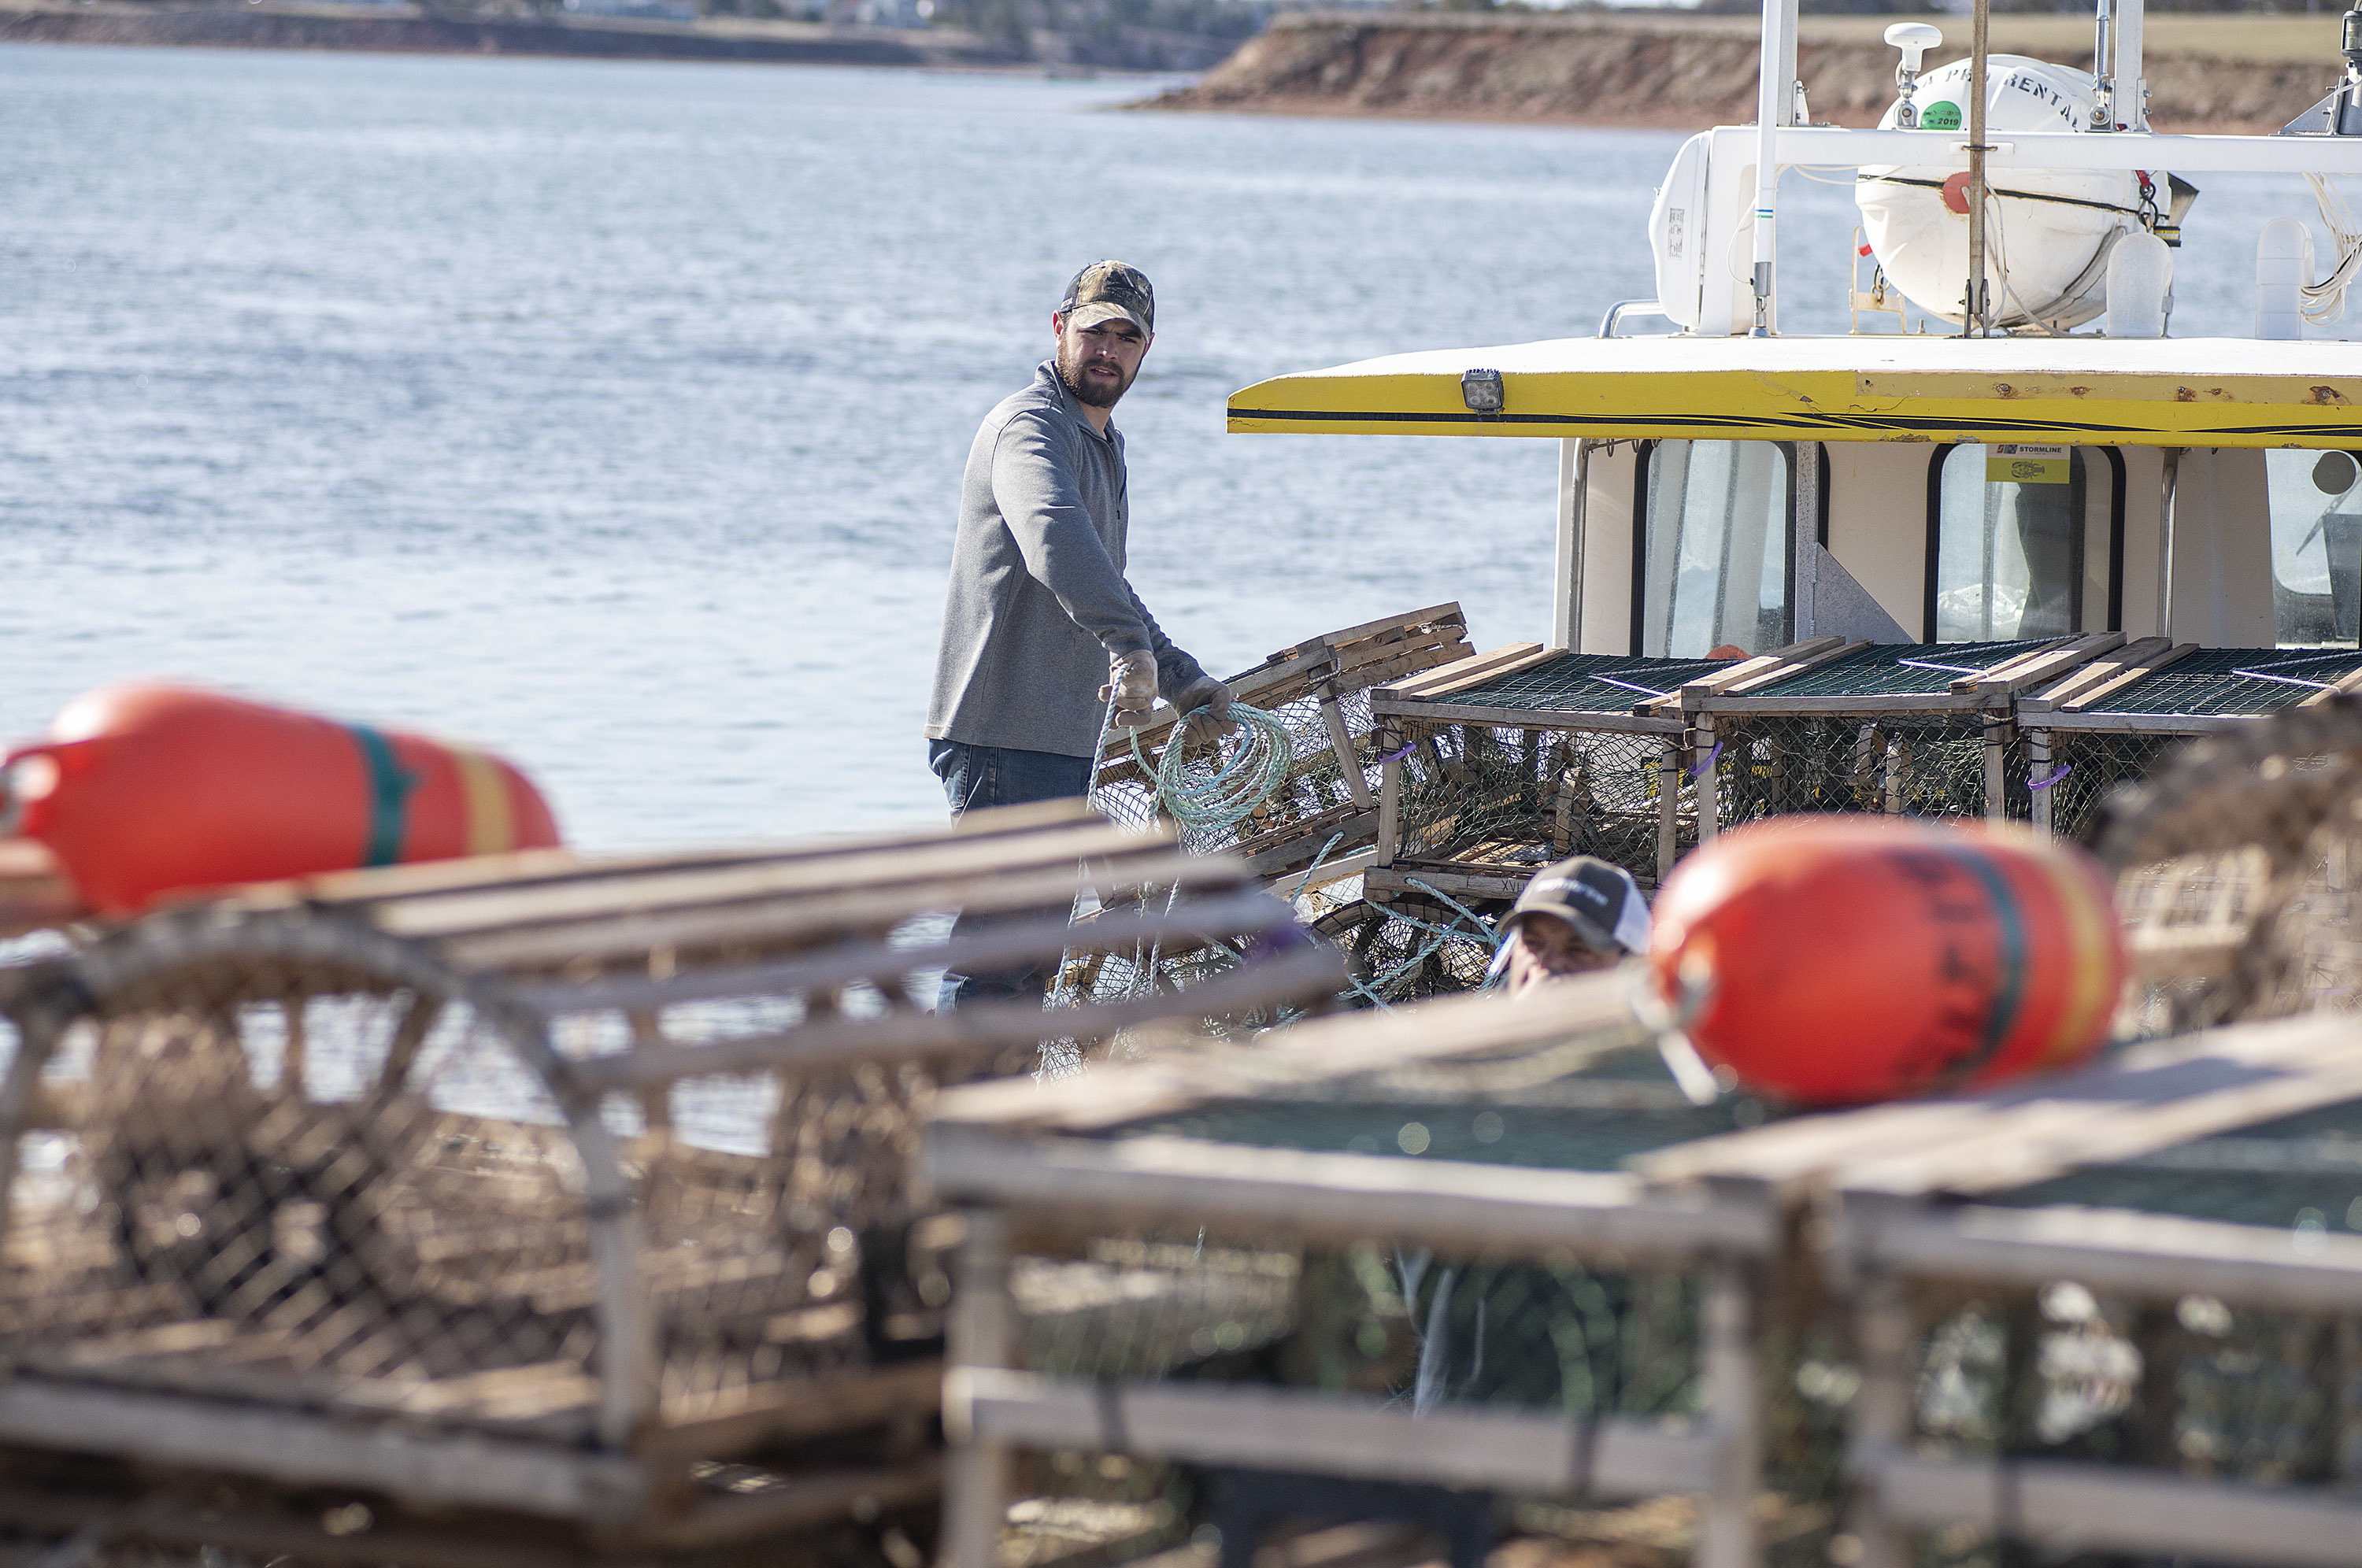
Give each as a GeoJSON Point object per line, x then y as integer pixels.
{"type": "Point", "coordinates": [1574, 917]}
{"type": "Point", "coordinates": [1040, 631]}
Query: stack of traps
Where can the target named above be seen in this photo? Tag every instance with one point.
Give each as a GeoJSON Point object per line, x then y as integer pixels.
{"type": "Point", "coordinates": [1468, 1281]}
{"type": "Point", "coordinates": [534, 1197]}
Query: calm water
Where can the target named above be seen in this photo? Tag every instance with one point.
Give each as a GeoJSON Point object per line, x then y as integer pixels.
{"type": "Point", "coordinates": [613, 413]}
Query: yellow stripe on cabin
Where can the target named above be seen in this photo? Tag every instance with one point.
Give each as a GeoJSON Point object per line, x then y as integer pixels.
{"type": "Point", "coordinates": [2066, 390]}
{"type": "Point", "coordinates": [484, 791]}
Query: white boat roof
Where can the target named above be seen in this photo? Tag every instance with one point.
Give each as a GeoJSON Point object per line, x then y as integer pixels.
{"type": "Point", "coordinates": [2173, 391]}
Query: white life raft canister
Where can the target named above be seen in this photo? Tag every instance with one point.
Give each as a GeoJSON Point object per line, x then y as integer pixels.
{"type": "Point", "coordinates": [2048, 232]}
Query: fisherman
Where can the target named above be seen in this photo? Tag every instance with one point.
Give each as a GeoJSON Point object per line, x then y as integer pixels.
{"type": "Point", "coordinates": [1574, 917]}
{"type": "Point", "coordinates": [1039, 615]}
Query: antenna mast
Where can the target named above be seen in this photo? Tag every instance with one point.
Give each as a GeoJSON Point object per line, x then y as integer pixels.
{"type": "Point", "coordinates": [1976, 315]}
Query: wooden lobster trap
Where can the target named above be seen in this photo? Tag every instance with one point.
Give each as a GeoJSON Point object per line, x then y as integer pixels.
{"type": "Point", "coordinates": [1382, 1268]}
{"type": "Point", "coordinates": [2114, 720]}
{"type": "Point", "coordinates": [1922, 730]}
{"type": "Point", "coordinates": [2115, 1313]}
{"type": "Point", "coordinates": [547, 1195]}
{"type": "Point", "coordinates": [1318, 826]}
{"type": "Point", "coordinates": [1521, 755]}
{"type": "Point", "coordinates": [2235, 848]}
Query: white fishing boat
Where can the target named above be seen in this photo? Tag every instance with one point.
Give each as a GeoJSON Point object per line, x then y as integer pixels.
{"type": "Point", "coordinates": [1733, 484]}
{"type": "Point", "coordinates": [1993, 565]}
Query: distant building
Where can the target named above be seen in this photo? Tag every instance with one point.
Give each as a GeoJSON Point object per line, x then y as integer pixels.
{"type": "Point", "coordinates": [644, 10]}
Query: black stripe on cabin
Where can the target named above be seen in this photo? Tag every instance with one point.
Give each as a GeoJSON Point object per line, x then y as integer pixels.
{"type": "Point", "coordinates": [1806, 423]}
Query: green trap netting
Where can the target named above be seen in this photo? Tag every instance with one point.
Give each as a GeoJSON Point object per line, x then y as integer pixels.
{"type": "Point", "coordinates": [2236, 682]}
{"type": "Point", "coordinates": [2301, 1173]}
{"type": "Point", "coordinates": [1512, 800]}
{"type": "Point", "coordinates": [1914, 765]}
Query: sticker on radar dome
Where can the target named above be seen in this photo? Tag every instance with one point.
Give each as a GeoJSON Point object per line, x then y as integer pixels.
{"type": "Point", "coordinates": [1941, 114]}
{"type": "Point", "coordinates": [2018, 463]}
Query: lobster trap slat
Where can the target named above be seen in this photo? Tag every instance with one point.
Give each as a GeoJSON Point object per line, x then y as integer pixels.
{"type": "Point", "coordinates": [552, 1183]}
{"type": "Point", "coordinates": [1919, 730]}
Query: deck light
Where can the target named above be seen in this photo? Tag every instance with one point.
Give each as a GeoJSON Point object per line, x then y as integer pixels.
{"type": "Point", "coordinates": [1481, 390]}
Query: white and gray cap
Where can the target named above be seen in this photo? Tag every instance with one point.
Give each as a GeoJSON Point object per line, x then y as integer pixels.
{"type": "Point", "coordinates": [1600, 901]}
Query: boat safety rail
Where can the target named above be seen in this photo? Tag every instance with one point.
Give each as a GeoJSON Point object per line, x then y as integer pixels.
{"type": "Point", "coordinates": [1622, 308]}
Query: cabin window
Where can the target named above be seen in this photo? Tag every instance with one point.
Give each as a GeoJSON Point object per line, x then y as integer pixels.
{"type": "Point", "coordinates": [2022, 543]}
{"type": "Point", "coordinates": [2316, 504]}
{"type": "Point", "coordinates": [1714, 548]}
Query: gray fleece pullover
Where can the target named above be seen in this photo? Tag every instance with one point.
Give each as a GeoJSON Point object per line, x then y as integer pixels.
{"type": "Point", "coordinates": [1038, 602]}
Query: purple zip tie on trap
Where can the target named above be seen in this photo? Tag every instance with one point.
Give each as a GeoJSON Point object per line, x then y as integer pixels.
{"type": "Point", "coordinates": [2051, 778]}
{"type": "Point", "coordinates": [1398, 755]}
{"type": "Point", "coordinates": [1706, 761]}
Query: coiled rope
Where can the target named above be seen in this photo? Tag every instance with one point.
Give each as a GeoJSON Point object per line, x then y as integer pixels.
{"type": "Point", "coordinates": [1209, 796]}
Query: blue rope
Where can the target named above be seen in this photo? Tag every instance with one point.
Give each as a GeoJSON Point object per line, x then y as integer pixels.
{"type": "Point", "coordinates": [1443, 933]}
{"type": "Point", "coordinates": [1215, 798]}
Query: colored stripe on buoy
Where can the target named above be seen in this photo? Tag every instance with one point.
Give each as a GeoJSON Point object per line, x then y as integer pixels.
{"type": "Point", "coordinates": [390, 788]}
{"type": "Point", "coordinates": [2009, 927]}
{"type": "Point", "coordinates": [491, 818]}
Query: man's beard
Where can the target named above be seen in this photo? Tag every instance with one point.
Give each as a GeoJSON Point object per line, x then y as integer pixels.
{"type": "Point", "coordinates": [1091, 392]}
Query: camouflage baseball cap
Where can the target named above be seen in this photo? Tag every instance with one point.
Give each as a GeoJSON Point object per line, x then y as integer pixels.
{"type": "Point", "coordinates": [1106, 290]}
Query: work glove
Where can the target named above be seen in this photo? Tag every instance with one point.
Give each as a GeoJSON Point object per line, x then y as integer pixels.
{"type": "Point", "coordinates": [1212, 695]}
{"type": "Point", "coordinates": [1132, 681]}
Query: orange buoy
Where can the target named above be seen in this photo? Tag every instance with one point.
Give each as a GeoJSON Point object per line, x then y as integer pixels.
{"type": "Point", "coordinates": [1832, 960]}
{"type": "Point", "coordinates": [146, 789]}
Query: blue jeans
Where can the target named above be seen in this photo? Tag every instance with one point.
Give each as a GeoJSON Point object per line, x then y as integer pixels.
{"type": "Point", "coordinates": [975, 778]}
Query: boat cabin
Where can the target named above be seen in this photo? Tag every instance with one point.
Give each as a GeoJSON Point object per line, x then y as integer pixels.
{"type": "Point", "coordinates": [1741, 493]}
